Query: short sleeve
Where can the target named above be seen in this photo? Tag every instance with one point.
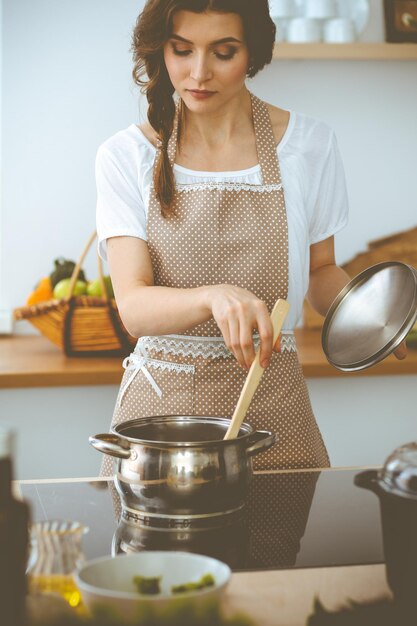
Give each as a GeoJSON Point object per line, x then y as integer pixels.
{"type": "Point", "coordinates": [120, 210]}
{"type": "Point", "coordinates": [331, 206]}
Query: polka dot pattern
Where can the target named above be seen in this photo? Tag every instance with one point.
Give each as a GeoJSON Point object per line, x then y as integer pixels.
{"type": "Point", "coordinates": [277, 524]}
{"type": "Point", "coordinates": [281, 404]}
{"type": "Point", "coordinates": [225, 236]}
{"type": "Point", "coordinates": [240, 238]}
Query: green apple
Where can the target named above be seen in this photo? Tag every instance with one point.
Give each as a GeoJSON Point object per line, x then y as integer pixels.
{"type": "Point", "coordinates": [94, 287]}
{"type": "Point", "coordinates": [109, 286]}
{"type": "Point", "coordinates": [61, 289]}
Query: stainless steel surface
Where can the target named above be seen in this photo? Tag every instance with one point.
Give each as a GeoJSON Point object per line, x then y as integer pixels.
{"type": "Point", "coordinates": [262, 440]}
{"type": "Point", "coordinates": [399, 473]}
{"type": "Point", "coordinates": [371, 316]}
{"type": "Point", "coordinates": [228, 541]}
{"type": "Point", "coordinates": [109, 444]}
{"type": "Point", "coordinates": [181, 468]}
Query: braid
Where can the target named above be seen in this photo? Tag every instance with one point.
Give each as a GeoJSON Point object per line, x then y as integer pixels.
{"type": "Point", "coordinates": [149, 72]}
{"type": "Point", "coordinates": [161, 113]}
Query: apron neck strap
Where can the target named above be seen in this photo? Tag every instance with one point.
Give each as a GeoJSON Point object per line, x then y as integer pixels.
{"type": "Point", "coordinates": [173, 140]}
{"type": "Point", "coordinates": [265, 140]}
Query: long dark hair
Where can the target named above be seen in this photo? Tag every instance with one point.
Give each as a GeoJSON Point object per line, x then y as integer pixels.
{"type": "Point", "coordinates": [152, 29]}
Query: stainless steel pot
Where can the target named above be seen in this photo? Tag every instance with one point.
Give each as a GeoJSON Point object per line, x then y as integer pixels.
{"type": "Point", "coordinates": [177, 471]}
{"type": "Point", "coordinates": [230, 542]}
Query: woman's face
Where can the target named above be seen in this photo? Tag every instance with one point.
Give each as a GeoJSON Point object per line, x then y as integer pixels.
{"type": "Point", "coordinates": [207, 58]}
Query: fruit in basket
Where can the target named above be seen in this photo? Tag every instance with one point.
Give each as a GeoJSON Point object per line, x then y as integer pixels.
{"type": "Point", "coordinates": [41, 293]}
{"type": "Point", "coordinates": [94, 287]}
{"type": "Point", "coordinates": [64, 269]}
{"type": "Point", "coordinates": [61, 289]}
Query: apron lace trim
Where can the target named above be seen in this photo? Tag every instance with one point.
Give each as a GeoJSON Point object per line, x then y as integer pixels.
{"type": "Point", "coordinates": [138, 361]}
{"type": "Point", "coordinates": [206, 347]}
{"type": "Point", "coordinates": [227, 186]}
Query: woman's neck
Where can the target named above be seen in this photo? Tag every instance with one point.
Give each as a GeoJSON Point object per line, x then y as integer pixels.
{"type": "Point", "coordinates": [214, 129]}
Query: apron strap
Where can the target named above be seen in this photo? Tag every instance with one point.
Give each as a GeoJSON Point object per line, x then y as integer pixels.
{"type": "Point", "coordinates": [173, 140]}
{"type": "Point", "coordinates": [265, 142]}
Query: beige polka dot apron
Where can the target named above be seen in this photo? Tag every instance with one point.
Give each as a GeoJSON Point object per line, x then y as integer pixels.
{"type": "Point", "coordinates": [223, 233]}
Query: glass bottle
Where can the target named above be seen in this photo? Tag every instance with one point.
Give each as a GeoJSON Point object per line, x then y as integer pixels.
{"type": "Point", "coordinates": [56, 555]}
{"type": "Point", "coordinates": [14, 520]}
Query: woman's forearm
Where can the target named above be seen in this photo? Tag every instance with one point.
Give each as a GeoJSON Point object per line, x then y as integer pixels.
{"type": "Point", "coordinates": [326, 282]}
{"type": "Point", "coordinates": [164, 310]}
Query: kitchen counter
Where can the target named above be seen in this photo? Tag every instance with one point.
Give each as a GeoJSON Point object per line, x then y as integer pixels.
{"type": "Point", "coordinates": [303, 533]}
{"type": "Point", "coordinates": [32, 361]}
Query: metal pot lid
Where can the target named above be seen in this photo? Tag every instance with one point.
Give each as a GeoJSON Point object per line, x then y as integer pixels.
{"type": "Point", "coordinates": [399, 474]}
{"type": "Point", "coordinates": [371, 316]}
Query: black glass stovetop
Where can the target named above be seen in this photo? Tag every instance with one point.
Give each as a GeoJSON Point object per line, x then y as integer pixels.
{"type": "Point", "coordinates": [291, 520]}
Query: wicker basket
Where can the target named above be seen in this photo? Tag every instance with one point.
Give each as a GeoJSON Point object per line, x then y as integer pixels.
{"type": "Point", "coordinates": [81, 325]}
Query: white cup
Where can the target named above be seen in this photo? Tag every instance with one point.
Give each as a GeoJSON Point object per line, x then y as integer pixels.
{"type": "Point", "coordinates": [339, 30]}
{"type": "Point", "coordinates": [282, 8]}
{"type": "Point", "coordinates": [320, 9]}
{"type": "Point", "coordinates": [304, 30]}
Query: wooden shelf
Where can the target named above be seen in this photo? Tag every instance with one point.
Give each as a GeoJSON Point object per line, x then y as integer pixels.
{"type": "Point", "coordinates": [352, 52]}
{"type": "Point", "coordinates": [32, 361]}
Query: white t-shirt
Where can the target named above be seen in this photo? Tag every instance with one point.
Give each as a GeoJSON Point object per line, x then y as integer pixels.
{"type": "Point", "coordinates": [312, 175]}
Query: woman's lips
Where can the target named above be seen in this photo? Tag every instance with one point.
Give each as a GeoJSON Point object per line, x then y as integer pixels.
{"type": "Point", "coordinates": [201, 95]}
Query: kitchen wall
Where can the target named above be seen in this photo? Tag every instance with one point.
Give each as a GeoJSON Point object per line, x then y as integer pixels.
{"type": "Point", "coordinates": [66, 87]}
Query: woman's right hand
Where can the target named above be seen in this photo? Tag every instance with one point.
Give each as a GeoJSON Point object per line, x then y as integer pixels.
{"type": "Point", "coordinates": [237, 313]}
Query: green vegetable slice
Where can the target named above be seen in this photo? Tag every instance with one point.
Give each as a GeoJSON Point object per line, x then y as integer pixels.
{"type": "Point", "coordinates": [205, 581]}
{"type": "Point", "coordinates": [147, 586]}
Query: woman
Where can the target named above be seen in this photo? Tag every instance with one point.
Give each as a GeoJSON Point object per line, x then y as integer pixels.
{"type": "Point", "coordinates": [203, 234]}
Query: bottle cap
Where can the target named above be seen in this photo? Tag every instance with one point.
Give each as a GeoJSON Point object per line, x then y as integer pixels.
{"type": "Point", "coordinates": [6, 443]}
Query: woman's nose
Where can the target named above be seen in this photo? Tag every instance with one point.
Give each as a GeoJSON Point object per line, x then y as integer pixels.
{"type": "Point", "coordinates": [200, 69]}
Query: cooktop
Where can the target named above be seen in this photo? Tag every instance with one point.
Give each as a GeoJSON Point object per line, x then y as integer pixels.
{"type": "Point", "coordinates": [291, 520]}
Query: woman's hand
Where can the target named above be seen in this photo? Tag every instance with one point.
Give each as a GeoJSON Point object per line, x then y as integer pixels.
{"type": "Point", "coordinates": [237, 313]}
{"type": "Point", "coordinates": [401, 351]}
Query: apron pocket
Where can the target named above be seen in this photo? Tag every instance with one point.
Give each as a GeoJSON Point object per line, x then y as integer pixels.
{"type": "Point", "coordinates": [154, 387]}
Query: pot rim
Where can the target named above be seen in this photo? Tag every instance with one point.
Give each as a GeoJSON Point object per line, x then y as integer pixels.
{"type": "Point", "coordinates": [181, 444]}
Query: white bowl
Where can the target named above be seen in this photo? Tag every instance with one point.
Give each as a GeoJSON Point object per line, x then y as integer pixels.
{"type": "Point", "coordinates": [108, 581]}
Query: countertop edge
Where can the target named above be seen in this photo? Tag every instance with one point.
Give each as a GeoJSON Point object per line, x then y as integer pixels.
{"type": "Point", "coordinates": [30, 361]}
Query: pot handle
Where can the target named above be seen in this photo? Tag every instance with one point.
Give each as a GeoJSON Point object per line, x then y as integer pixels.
{"type": "Point", "coordinates": [110, 444]}
{"type": "Point", "coordinates": [259, 441]}
{"type": "Point", "coordinates": [368, 480]}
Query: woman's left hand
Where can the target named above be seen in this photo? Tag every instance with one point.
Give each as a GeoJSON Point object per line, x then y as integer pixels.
{"type": "Point", "coordinates": [401, 351]}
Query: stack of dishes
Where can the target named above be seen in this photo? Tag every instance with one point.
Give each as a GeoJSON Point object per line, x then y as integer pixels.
{"type": "Point", "coordinates": [312, 21]}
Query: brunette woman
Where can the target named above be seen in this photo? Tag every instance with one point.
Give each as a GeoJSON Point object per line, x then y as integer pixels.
{"type": "Point", "coordinates": [207, 214]}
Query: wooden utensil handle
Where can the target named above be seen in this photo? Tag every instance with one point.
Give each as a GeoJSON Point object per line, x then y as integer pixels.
{"type": "Point", "coordinates": [278, 316]}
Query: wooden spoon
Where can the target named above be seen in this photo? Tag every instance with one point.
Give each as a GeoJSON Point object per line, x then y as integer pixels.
{"type": "Point", "coordinates": [278, 316]}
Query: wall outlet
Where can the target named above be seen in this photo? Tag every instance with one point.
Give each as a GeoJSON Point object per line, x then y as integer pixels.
{"type": "Point", "coordinates": [6, 322]}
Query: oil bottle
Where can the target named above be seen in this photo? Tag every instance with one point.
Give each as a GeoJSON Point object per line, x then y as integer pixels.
{"type": "Point", "coordinates": [14, 520]}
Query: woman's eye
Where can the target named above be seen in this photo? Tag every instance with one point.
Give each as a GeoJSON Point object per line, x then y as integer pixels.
{"type": "Point", "coordinates": [225, 57]}
{"type": "Point", "coordinates": [181, 53]}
